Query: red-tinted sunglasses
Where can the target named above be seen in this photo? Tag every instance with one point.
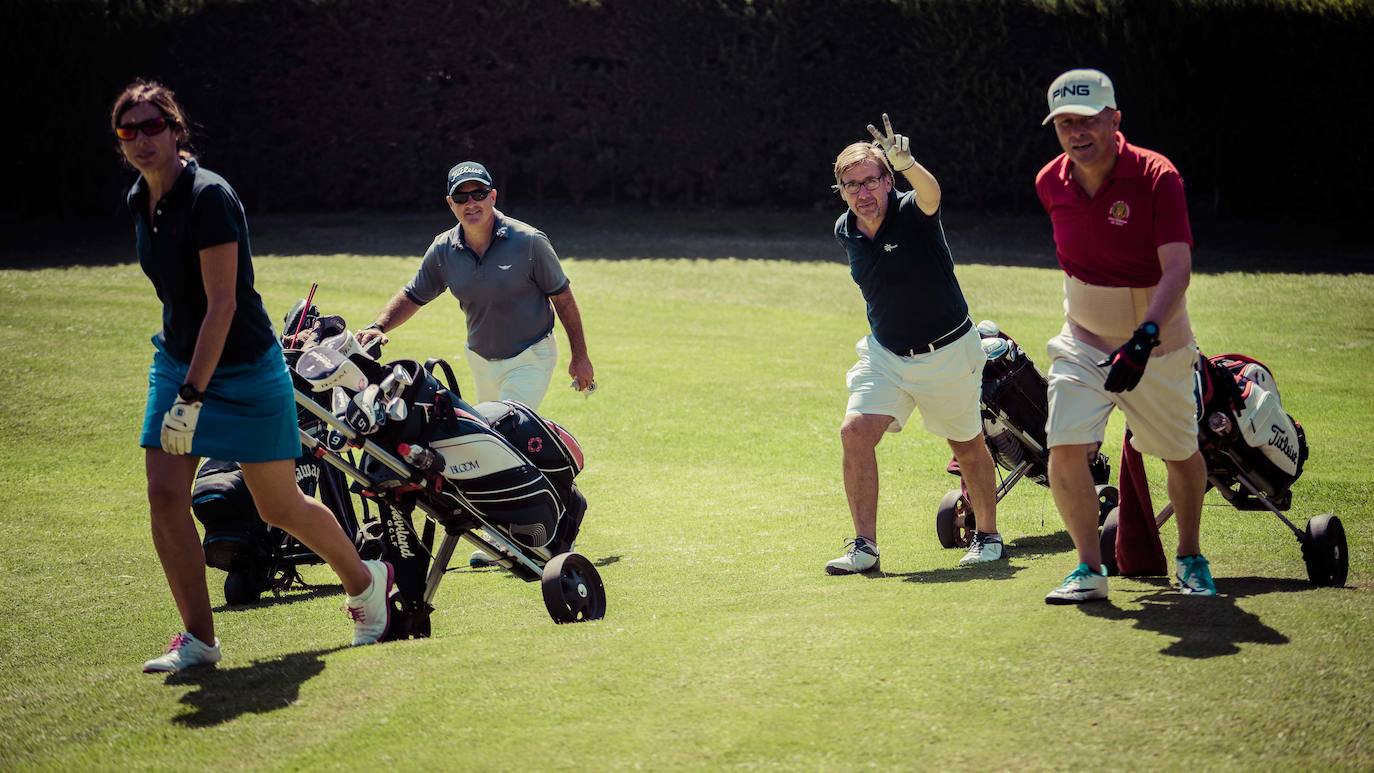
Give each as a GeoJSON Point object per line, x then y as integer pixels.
{"type": "Point", "coordinates": [150, 128]}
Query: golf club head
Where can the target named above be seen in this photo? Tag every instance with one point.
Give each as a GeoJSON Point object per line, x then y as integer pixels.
{"type": "Point", "coordinates": [395, 381]}
{"type": "Point", "coordinates": [325, 368]}
{"type": "Point", "coordinates": [293, 320]}
{"type": "Point", "coordinates": [364, 413]}
{"type": "Point", "coordinates": [396, 409]}
{"type": "Point", "coordinates": [335, 441]}
{"type": "Point", "coordinates": [995, 348]}
{"type": "Point", "coordinates": [987, 329]}
{"type": "Point", "coordinates": [346, 344]}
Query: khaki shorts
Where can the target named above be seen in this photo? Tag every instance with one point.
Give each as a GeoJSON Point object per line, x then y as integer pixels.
{"type": "Point", "coordinates": [944, 384]}
{"type": "Point", "coordinates": [524, 378]}
{"type": "Point", "coordinates": [1161, 411]}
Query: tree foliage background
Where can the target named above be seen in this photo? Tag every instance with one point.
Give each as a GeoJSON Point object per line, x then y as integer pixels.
{"type": "Point", "coordinates": [328, 104]}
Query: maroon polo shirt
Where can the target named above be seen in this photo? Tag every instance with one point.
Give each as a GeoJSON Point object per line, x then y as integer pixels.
{"type": "Point", "coordinates": [1112, 239]}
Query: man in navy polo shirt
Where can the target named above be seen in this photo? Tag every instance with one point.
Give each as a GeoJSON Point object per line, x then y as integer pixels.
{"type": "Point", "coordinates": [509, 283]}
{"type": "Point", "coordinates": [923, 351]}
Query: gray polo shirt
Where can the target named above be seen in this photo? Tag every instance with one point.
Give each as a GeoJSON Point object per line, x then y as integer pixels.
{"type": "Point", "coordinates": [504, 294]}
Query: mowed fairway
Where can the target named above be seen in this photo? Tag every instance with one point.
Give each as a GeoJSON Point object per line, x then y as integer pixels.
{"type": "Point", "coordinates": [716, 498]}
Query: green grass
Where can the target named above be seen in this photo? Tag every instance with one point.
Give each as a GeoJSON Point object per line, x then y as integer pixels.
{"type": "Point", "coordinates": [714, 478]}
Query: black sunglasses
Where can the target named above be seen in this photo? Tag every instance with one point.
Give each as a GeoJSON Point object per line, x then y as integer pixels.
{"type": "Point", "coordinates": [150, 128]}
{"type": "Point", "coordinates": [478, 195]}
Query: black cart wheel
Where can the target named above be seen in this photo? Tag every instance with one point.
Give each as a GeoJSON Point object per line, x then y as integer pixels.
{"type": "Point", "coordinates": [954, 523]}
{"type": "Point", "coordinates": [241, 588]}
{"type": "Point", "coordinates": [1107, 500]}
{"type": "Point", "coordinates": [1106, 540]}
{"type": "Point", "coordinates": [1324, 551]}
{"type": "Point", "coordinates": [572, 589]}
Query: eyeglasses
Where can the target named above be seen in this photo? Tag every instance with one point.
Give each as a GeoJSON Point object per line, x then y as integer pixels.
{"type": "Point", "coordinates": [868, 184]}
{"type": "Point", "coordinates": [150, 128]}
{"type": "Point", "coordinates": [461, 197]}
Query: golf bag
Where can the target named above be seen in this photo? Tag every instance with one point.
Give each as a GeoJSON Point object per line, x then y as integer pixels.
{"type": "Point", "coordinates": [499, 462]}
{"type": "Point", "coordinates": [1014, 403]}
{"type": "Point", "coordinates": [256, 557]}
{"type": "Point", "coordinates": [1244, 429]}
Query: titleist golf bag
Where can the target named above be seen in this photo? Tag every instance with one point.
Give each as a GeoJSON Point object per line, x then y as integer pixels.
{"type": "Point", "coordinates": [1244, 430]}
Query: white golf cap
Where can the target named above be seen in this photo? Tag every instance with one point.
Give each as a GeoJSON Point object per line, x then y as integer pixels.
{"type": "Point", "coordinates": [1080, 92]}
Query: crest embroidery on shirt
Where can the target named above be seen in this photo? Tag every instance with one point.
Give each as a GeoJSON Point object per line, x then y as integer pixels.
{"type": "Point", "coordinates": [889, 247]}
{"type": "Point", "coordinates": [1118, 213]}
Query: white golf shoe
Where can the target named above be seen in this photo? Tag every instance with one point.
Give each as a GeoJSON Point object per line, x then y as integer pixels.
{"type": "Point", "coordinates": [184, 651]}
{"type": "Point", "coordinates": [1082, 584]}
{"type": "Point", "coordinates": [371, 611]}
{"type": "Point", "coordinates": [861, 556]}
{"type": "Point", "coordinates": [984, 548]}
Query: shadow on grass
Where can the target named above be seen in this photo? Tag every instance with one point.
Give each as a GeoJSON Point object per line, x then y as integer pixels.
{"type": "Point", "coordinates": [298, 593]}
{"type": "Point", "coordinates": [1025, 547]}
{"type": "Point", "coordinates": [1201, 627]}
{"type": "Point", "coordinates": [599, 563]}
{"type": "Point", "coordinates": [225, 694]}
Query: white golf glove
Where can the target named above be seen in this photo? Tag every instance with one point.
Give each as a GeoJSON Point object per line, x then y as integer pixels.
{"type": "Point", "coordinates": [179, 426]}
{"type": "Point", "coordinates": [896, 146]}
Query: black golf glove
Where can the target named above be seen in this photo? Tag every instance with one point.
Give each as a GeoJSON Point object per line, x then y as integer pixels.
{"type": "Point", "coordinates": [1128, 362]}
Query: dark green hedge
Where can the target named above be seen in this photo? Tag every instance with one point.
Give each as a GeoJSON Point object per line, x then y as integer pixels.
{"type": "Point", "coordinates": [351, 103]}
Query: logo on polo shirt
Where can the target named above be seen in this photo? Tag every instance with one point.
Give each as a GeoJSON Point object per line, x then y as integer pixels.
{"type": "Point", "coordinates": [889, 247]}
{"type": "Point", "coordinates": [504, 268]}
{"type": "Point", "coordinates": [1118, 213]}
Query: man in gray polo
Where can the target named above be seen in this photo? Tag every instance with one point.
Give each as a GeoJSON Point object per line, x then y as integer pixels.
{"type": "Point", "coordinates": [508, 281]}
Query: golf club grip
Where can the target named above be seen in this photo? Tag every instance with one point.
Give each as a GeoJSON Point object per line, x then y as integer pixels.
{"type": "Point", "coordinates": [448, 374]}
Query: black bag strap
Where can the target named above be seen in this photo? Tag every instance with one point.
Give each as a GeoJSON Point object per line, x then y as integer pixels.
{"type": "Point", "coordinates": [434, 362]}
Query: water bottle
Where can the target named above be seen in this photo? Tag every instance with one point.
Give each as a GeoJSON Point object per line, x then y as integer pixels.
{"type": "Point", "coordinates": [421, 458]}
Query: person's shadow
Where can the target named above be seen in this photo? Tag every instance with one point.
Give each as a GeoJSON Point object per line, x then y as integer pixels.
{"type": "Point", "coordinates": [1202, 627]}
{"type": "Point", "coordinates": [293, 595]}
{"type": "Point", "coordinates": [225, 694]}
{"type": "Point", "coordinates": [1023, 548]}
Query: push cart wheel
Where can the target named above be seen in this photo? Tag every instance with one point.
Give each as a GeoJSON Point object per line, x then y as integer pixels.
{"type": "Point", "coordinates": [1323, 550]}
{"type": "Point", "coordinates": [1107, 500]}
{"type": "Point", "coordinates": [240, 588]}
{"type": "Point", "coordinates": [1106, 541]}
{"type": "Point", "coordinates": [573, 592]}
{"type": "Point", "coordinates": [954, 523]}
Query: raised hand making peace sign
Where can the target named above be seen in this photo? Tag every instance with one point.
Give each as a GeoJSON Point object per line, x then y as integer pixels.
{"type": "Point", "coordinates": [896, 146]}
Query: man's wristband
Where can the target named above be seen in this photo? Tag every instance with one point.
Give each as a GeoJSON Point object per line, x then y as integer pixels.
{"type": "Point", "coordinates": [375, 326]}
{"type": "Point", "coordinates": [907, 167]}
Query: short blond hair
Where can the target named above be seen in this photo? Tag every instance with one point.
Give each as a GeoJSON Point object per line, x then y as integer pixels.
{"type": "Point", "coordinates": [858, 153]}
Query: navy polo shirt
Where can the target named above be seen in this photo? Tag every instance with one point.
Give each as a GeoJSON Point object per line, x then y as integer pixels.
{"type": "Point", "coordinates": [200, 211]}
{"type": "Point", "coordinates": [504, 294]}
{"type": "Point", "coordinates": [906, 275]}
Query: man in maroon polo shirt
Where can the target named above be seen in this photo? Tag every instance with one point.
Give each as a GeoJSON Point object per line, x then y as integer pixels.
{"type": "Point", "coordinates": [1122, 237]}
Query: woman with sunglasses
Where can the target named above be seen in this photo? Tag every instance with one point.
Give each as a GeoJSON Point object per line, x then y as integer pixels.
{"type": "Point", "coordinates": [218, 385]}
{"type": "Point", "coordinates": [509, 283]}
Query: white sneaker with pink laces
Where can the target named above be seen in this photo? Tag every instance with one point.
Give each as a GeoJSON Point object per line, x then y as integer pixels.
{"type": "Point", "coordinates": [371, 611]}
{"type": "Point", "coordinates": [184, 651]}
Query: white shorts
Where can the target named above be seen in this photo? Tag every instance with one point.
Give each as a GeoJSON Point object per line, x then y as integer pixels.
{"type": "Point", "coordinates": [1161, 411]}
{"type": "Point", "coordinates": [524, 377]}
{"type": "Point", "coordinates": [944, 384]}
